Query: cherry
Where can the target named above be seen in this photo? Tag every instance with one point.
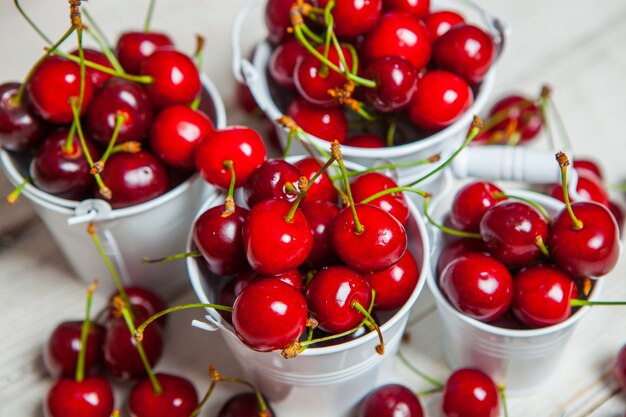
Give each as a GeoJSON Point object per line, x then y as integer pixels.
{"type": "Point", "coordinates": [589, 187]}
{"type": "Point", "coordinates": [175, 134]}
{"type": "Point", "coordinates": [245, 99]}
{"type": "Point", "coordinates": [277, 19]}
{"type": "Point", "coordinates": [134, 47]}
{"type": "Point", "coordinates": [589, 165]}
{"type": "Point", "coordinates": [391, 400]}
{"type": "Point", "coordinates": [249, 275]}
{"type": "Point", "coordinates": [227, 298]}
{"type": "Point", "coordinates": [618, 214]}
{"type": "Point", "coordinates": [525, 113]}
{"type": "Point", "coordinates": [458, 248]}
{"type": "Point", "coordinates": [123, 97]}
{"type": "Point", "coordinates": [319, 216]}
{"type": "Point", "coordinates": [175, 78]}
{"type": "Point", "coordinates": [270, 180]}
{"type": "Point", "coordinates": [542, 295]}
{"type": "Point", "coordinates": [324, 123]}
{"type": "Point", "coordinates": [471, 202]}
{"type": "Point", "coordinates": [441, 98]}
{"type": "Point", "coordinates": [64, 174]}
{"type": "Point", "coordinates": [331, 297]}
{"type": "Point", "coordinates": [177, 399]}
{"type": "Point", "coordinates": [275, 239]}
{"type": "Point", "coordinates": [91, 397]}
{"type": "Point", "coordinates": [441, 21]}
{"type": "Point", "coordinates": [134, 178]}
{"type": "Point", "coordinates": [60, 354]}
{"type": "Point", "coordinates": [396, 83]}
{"type": "Point", "coordinates": [51, 86]}
{"type": "Point", "coordinates": [241, 145]}
{"type": "Point", "coordinates": [419, 8]}
{"type": "Point", "coordinates": [465, 50]}
{"type": "Point", "coordinates": [245, 404]}
{"type": "Point", "coordinates": [92, 55]}
{"type": "Point", "coordinates": [470, 393]}
{"type": "Point", "coordinates": [353, 18]}
{"type": "Point", "coordinates": [366, 140]}
{"type": "Point", "coordinates": [394, 285]}
{"type": "Point", "coordinates": [401, 35]}
{"type": "Point", "coordinates": [20, 128]}
{"type": "Point", "coordinates": [380, 244]}
{"type": "Point", "coordinates": [269, 315]}
{"type": "Point", "coordinates": [283, 62]}
{"type": "Point", "coordinates": [477, 285]}
{"type": "Point", "coordinates": [366, 185]}
{"type": "Point", "coordinates": [322, 188]}
{"type": "Point", "coordinates": [619, 368]}
{"type": "Point", "coordinates": [144, 302]}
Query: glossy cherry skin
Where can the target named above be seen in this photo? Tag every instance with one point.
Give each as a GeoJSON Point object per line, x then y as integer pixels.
{"type": "Point", "coordinates": [470, 393]}
{"type": "Point", "coordinates": [144, 303]}
{"type": "Point", "coordinates": [20, 128]}
{"type": "Point", "coordinates": [457, 248]}
{"type": "Point", "coordinates": [441, 21]}
{"type": "Point", "coordinates": [272, 244]}
{"type": "Point", "coordinates": [394, 285]}
{"type": "Point", "coordinates": [283, 62]}
{"type": "Point", "coordinates": [542, 295]}
{"type": "Point", "coordinates": [55, 81]}
{"type": "Point", "coordinates": [396, 83]}
{"type": "Point", "coordinates": [269, 180]}
{"type": "Point", "coordinates": [441, 98]}
{"type": "Point", "coordinates": [320, 216]}
{"type": "Point", "coordinates": [368, 184]}
{"type": "Point", "coordinates": [589, 187]}
{"type": "Point", "coordinates": [249, 275]}
{"type": "Point", "coordinates": [175, 134]}
{"type": "Point", "coordinates": [353, 18]}
{"type": "Point", "coordinates": [175, 78]}
{"type": "Point", "coordinates": [239, 144]}
{"type": "Point", "coordinates": [418, 8]}
{"type": "Point", "coordinates": [619, 367]}
{"type": "Point", "coordinates": [60, 354]}
{"type": "Point", "coordinates": [220, 239]}
{"type": "Point", "coordinates": [269, 315]}
{"type": "Point", "coordinates": [178, 399]}
{"type": "Point", "coordinates": [324, 123]}
{"type": "Point", "coordinates": [134, 178]}
{"type": "Point", "coordinates": [92, 55]}
{"type": "Point", "coordinates": [61, 174]}
{"type": "Point", "coordinates": [331, 297]}
{"type": "Point", "coordinates": [366, 140]}
{"type": "Point", "coordinates": [591, 251]}
{"type": "Point", "coordinates": [589, 165]}
{"type": "Point", "coordinates": [92, 397]}
{"type": "Point", "coordinates": [391, 400]}
{"type": "Point", "coordinates": [322, 188]}
{"type": "Point", "coordinates": [478, 286]}
{"type": "Point", "coordinates": [471, 202]}
{"type": "Point", "coordinates": [119, 96]}
{"type": "Point", "coordinates": [134, 47]}
{"type": "Point", "coordinates": [521, 111]}
{"type": "Point", "coordinates": [401, 35]}
{"type": "Point", "coordinates": [245, 404]}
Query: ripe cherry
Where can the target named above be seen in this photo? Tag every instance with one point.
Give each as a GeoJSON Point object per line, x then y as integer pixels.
{"type": "Point", "coordinates": [245, 404]}
{"type": "Point", "coordinates": [458, 248]}
{"type": "Point", "coordinates": [368, 184]}
{"type": "Point", "coordinates": [353, 18]}
{"type": "Point", "coordinates": [419, 8]}
{"type": "Point", "coordinates": [178, 398]}
{"type": "Point", "coordinates": [144, 303]}
{"type": "Point", "coordinates": [319, 216]}
{"type": "Point", "coordinates": [391, 400]}
{"type": "Point", "coordinates": [589, 165]}
{"type": "Point", "coordinates": [470, 393]}
{"type": "Point", "coordinates": [283, 62]}
{"type": "Point", "coordinates": [20, 127]}
{"type": "Point", "coordinates": [322, 188]}
{"type": "Point", "coordinates": [277, 19]}
{"type": "Point", "coordinates": [249, 275]}
{"type": "Point", "coordinates": [324, 123]}
{"type": "Point", "coordinates": [91, 397]}
{"type": "Point", "coordinates": [60, 354]}
{"type": "Point", "coordinates": [524, 113]}
{"type": "Point", "coordinates": [272, 179]}
{"type": "Point", "coordinates": [134, 47]}
{"type": "Point", "coordinates": [441, 21]}
{"type": "Point", "coordinates": [396, 83]}
{"type": "Point", "coordinates": [589, 187]}
{"type": "Point", "coordinates": [175, 78]}
{"type": "Point", "coordinates": [366, 140]}
{"type": "Point", "coordinates": [92, 55]}
{"type": "Point", "coordinates": [394, 285]}
{"type": "Point", "coordinates": [471, 202]}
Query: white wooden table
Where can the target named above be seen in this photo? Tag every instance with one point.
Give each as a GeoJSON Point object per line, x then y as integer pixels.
{"type": "Point", "coordinates": [578, 47]}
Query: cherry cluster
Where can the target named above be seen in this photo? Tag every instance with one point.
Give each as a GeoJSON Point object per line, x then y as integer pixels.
{"type": "Point", "coordinates": [386, 60]}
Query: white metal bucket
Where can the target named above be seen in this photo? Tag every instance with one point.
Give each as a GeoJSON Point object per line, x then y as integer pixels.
{"type": "Point", "coordinates": [153, 229]}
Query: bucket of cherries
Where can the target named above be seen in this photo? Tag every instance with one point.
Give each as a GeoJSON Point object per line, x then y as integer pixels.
{"type": "Point", "coordinates": [107, 135]}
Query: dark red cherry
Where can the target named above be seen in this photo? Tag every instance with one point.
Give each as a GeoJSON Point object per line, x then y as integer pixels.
{"type": "Point", "coordinates": [353, 18]}
{"type": "Point", "coordinates": [320, 215]}
{"type": "Point", "coordinates": [458, 248]}
{"type": "Point", "coordinates": [63, 174]}
{"type": "Point", "coordinates": [589, 165]}
{"type": "Point", "coordinates": [134, 178]}
{"type": "Point", "coordinates": [394, 285]}
{"type": "Point", "coordinates": [272, 244]}
{"type": "Point", "coordinates": [178, 398]}
{"type": "Point", "coordinates": [134, 47]}
{"type": "Point", "coordinates": [270, 180]}
{"type": "Point", "coordinates": [441, 21]}
{"type": "Point", "coordinates": [277, 19]}
{"type": "Point", "coordinates": [175, 78]}
{"type": "Point", "coordinates": [60, 354]}
{"type": "Point", "coordinates": [55, 81]}
{"type": "Point", "coordinates": [239, 144]}
{"type": "Point", "coordinates": [441, 98]}
{"type": "Point", "coordinates": [324, 123]}
{"type": "Point", "coordinates": [368, 184]}
{"type": "Point", "coordinates": [477, 285]}
{"type": "Point", "coordinates": [589, 187]}
{"type": "Point", "coordinates": [20, 127]}
{"type": "Point", "coordinates": [470, 393]}
{"type": "Point", "coordinates": [619, 367]}
{"type": "Point", "coordinates": [391, 400]}
{"type": "Point", "coordinates": [471, 202]}
{"type": "Point", "coordinates": [322, 188]}
{"type": "Point", "coordinates": [144, 302]}
{"type": "Point", "coordinates": [542, 295]}
{"type": "Point", "coordinates": [92, 55]}
{"type": "Point", "coordinates": [401, 35]}
{"type": "Point", "coordinates": [119, 96]}
{"type": "Point", "coordinates": [366, 140]}
{"type": "Point", "coordinates": [419, 8]}
{"type": "Point", "coordinates": [618, 213]}
{"type": "Point", "coordinates": [269, 315]}
{"type": "Point", "coordinates": [245, 404]}
{"type": "Point", "coordinates": [92, 397]}
{"type": "Point", "coordinates": [396, 83]}
{"type": "Point", "coordinates": [219, 239]}
{"type": "Point", "coordinates": [524, 113]}
{"type": "Point", "coordinates": [591, 251]}
{"type": "Point", "coordinates": [175, 134]}
{"type": "Point", "coordinates": [283, 62]}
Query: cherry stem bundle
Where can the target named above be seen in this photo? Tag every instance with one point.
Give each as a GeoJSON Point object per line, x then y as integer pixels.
{"type": "Point", "coordinates": [84, 332]}
{"type": "Point", "coordinates": [563, 161]}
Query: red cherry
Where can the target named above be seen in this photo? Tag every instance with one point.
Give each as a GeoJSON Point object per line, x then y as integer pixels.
{"type": "Point", "coordinates": [92, 55]}
{"type": "Point", "coordinates": [525, 113]}
{"type": "Point", "coordinates": [398, 34]}
{"type": "Point", "coordinates": [441, 98]}
{"type": "Point", "coordinates": [477, 285]}
{"type": "Point", "coordinates": [269, 180]}
{"type": "Point", "coordinates": [175, 78]}
{"type": "Point", "coordinates": [283, 62]}
{"type": "Point", "coordinates": [92, 397]}
{"type": "Point", "coordinates": [134, 47]}
{"type": "Point", "coordinates": [60, 354]}
{"type": "Point", "coordinates": [589, 187]}
{"type": "Point", "coordinates": [542, 295]}
{"type": "Point", "coordinates": [366, 140]}
{"type": "Point", "coordinates": [470, 393]}
{"type": "Point", "coordinates": [277, 19]}
{"type": "Point", "coordinates": [245, 99]}
{"type": "Point", "coordinates": [391, 400]}
{"type": "Point", "coordinates": [440, 22]}
{"type": "Point", "coordinates": [249, 275]}
{"type": "Point", "coordinates": [144, 303]}
{"type": "Point", "coordinates": [324, 123]}
{"type": "Point", "coordinates": [617, 212]}
{"type": "Point", "coordinates": [239, 144]}
{"type": "Point", "coordinates": [320, 215]}
{"type": "Point", "coordinates": [331, 296]}
{"type": "Point", "coordinates": [178, 398]}
{"type": "Point", "coordinates": [419, 8]}
{"type": "Point", "coordinates": [175, 134]}
{"type": "Point", "coordinates": [458, 248]}
{"type": "Point", "coordinates": [245, 404]}
{"type": "Point", "coordinates": [353, 18]}
{"type": "Point", "coordinates": [589, 165]}
{"type": "Point", "coordinates": [272, 244]}
{"type": "Point", "coordinates": [269, 315]}
{"type": "Point", "coordinates": [368, 184]}
{"type": "Point", "coordinates": [619, 368]}
{"type": "Point", "coordinates": [55, 81]}
{"type": "Point", "coordinates": [20, 127]}
{"type": "Point", "coordinates": [470, 204]}
{"type": "Point", "coordinates": [322, 188]}
{"type": "Point", "coordinates": [394, 285]}
{"type": "Point", "coordinates": [381, 244]}
{"type": "Point", "coordinates": [396, 83]}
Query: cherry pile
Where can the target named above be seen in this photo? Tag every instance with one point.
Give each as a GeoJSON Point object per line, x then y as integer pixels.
{"type": "Point", "coordinates": [407, 70]}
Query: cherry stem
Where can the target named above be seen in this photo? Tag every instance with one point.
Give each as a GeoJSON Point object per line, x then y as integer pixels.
{"type": "Point", "coordinates": [543, 107]}
{"type": "Point", "coordinates": [503, 398]}
{"type": "Point", "coordinates": [446, 229]}
{"type": "Point", "coordinates": [336, 152]}
{"type": "Point", "coordinates": [328, 18]}
{"type": "Point", "coordinates": [425, 161]}
{"type": "Point", "coordinates": [76, 18]}
{"type": "Point", "coordinates": [229, 201]}
{"type": "Point", "coordinates": [438, 385]}
{"type": "Point", "coordinates": [502, 115]}
{"type": "Point", "coordinates": [206, 397]}
{"type": "Point", "coordinates": [391, 133]}
{"type": "Point", "coordinates": [101, 38]}
{"type": "Point", "coordinates": [115, 413]}
{"type": "Point", "coordinates": [474, 130]}
{"type": "Point", "coordinates": [380, 348]}
{"type": "Point", "coordinates": [131, 146]}
{"type": "Point", "coordinates": [563, 161]}
{"type": "Point", "coordinates": [542, 246]}
{"type": "Point", "coordinates": [192, 254]}
{"type": "Point", "coordinates": [581, 303]}
{"type": "Point", "coordinates": [149, 13]}
{"type": "Point", "coordinates": [139, 332]}
{"type": "Point", "coordinates": [120, 118]}
{"type": "Point", "coordinates": [395, 190]}
{"type": "Point", "coordinates": [106, 49]}
{"type": "Point", "coordinates": [17, 191]}
{"type": "Point", "coordinates": [84, 332]}
{"type": "Point", "coordinates": [560, 124]}
{"type": "Point", "coordinates": [31, 23]}
{"type": "Point", "coordinates": [428, 392]}
{"type": "Point", "coordinates": [536, 205]}
{"type": "Point", "coordinates": [217, 377]}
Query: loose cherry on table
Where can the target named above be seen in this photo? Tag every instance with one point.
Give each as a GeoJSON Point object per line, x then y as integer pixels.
{"type": "Point", "coordinates": [324, 123]}
{"type": "Point", "coordinates": [470, 392]}
{"type": "Point", "coordinates": [20, 127]}
{"type": "Point", "coordinates": [245, 404]}
{"type": "Point", "coordinates": [471, 202]}
{"type": "Point", "coordinates": [391, 400]}
{"type": "Point", "coordinates": [134, 47]}
{"type": "Point", "coordinates": [177, 398]}
{"type": "Point", "coordinates": [440, 22]}
{"type": "Point", "coordinates": [143, 302]}
{"type": "Point", "coordinates": [92, 397]}
{"type": "Point", "coordinates": [61, 351]}
{"type": "Point", "coordinates": [353, 18]}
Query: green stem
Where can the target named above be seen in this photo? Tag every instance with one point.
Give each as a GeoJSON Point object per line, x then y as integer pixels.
{"type": "Point", "coordinates": [312, 35]}
{"type": "Point", "coordinates": [561, 124]}
{"type": "Point", "coordinates": [503, 398]}
{"type": "Point", "coordinates": [542, 246]}
{"type": "Point", "coordinates": [192, 254]}
{"type": "Point", "coordinates": [17, 191]}
{"type": "Point", "coordinates": [438, 385]}
{"type": "Point", "coordinates": [104, 47]}
{"type": "Point", "coordinates": [543, 107]}
{"type": "Point", "coordinates": [80, 365]}
{"type": "Point", "coordinates": [358, 227]}
{"type": "Point", "coordinates": [120, 118]}
{"type": "Point", "coordinates": [156, 316]}
{"type": "Point", "coordinates": [428, 392]}
{"type": "Point", "coordinates": [536, 205]}
{"type": "Point", "coordinates": [581, 303]}
{"type": "Point", "coordinates": [150, 12]}
{"type": "Point", "coordinates": [206, 397]}
{"type": "Point", "coordinates": [395, 190]}
{"type": "Point", "coordinates": [446, 229]}
{"type": "Point", "coordinates": [31, 23]}
{"type": "Point", "coordinates": [429, 160]}
{"type": "Point", "coordinates": [260, 400]}
{"type": "Point", "coordinates": [380, 349]}
{"type": "Point", "coordinates": [101, 36]}
{"type": "Point", "coordinates": [563, 164]}
{"type": "Point", "coordinates": [391, 133]}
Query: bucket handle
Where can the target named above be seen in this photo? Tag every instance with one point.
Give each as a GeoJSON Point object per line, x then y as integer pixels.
{"type": "Point", "coordinates": [238, 60]}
